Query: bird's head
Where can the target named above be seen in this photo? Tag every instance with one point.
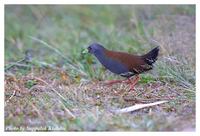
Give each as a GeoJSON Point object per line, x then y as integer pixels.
{"type": "Point", "coordinates": [94, 48]}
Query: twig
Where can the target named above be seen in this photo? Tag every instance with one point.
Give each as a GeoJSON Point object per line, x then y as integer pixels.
{"type": "Point", "coordinates": [14, 64]}
{"type": "Point", "coordinates": [17, 64]}
{"type": "Point", "coordinates": [54, 90]}
{"type": "Point", "coordinates": [14, 92]}
{"type": "Point", "coordinates": [68, 111]}
{"type": "Point", "coordinates": [27, 58]}
{"type": "Point", "coordinates": [137, 107]}
{"type": "Point", "coordinates": [38, 111]}
{"type": "Point", "coordinates": [39, 79]}
{"type": "Point", "coordinates": [38, 87]}
{"type": "Point", "coordinates": [137, 99]}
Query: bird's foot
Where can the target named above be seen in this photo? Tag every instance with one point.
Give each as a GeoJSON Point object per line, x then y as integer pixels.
{"type": "Point", "coordinates": [132, 88]}
{"type": "Point", "coordinates": [127, 81]}
{"type": "Point", "coordinates": [109, 83]}
{"type": "Point", "coordinates": [133, 83]}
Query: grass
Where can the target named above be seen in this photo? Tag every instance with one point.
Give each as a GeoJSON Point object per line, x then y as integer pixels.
{"type": "Point", "coordinates": [57, 88]}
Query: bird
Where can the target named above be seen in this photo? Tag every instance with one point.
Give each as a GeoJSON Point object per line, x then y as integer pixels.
{"type": "Point", "coordinates": [124, 64]}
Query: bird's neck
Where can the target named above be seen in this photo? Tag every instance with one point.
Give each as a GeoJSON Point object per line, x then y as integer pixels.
{"type": "Point", "coordinates": [101, 56]}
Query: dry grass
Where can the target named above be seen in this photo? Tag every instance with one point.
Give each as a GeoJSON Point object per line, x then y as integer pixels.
{"type": "Point", "coordinates": [50, 104]}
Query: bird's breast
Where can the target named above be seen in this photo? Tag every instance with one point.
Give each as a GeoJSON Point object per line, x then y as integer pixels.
{"type": "Point", "coordinates": [111, 64]}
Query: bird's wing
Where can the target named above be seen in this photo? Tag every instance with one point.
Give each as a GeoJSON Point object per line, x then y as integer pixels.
{"type": "Point", "coordinates": [135, 64]}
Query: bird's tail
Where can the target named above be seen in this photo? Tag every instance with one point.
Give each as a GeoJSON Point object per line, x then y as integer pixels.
{"type": "Point", "coordinates": [151, 56]}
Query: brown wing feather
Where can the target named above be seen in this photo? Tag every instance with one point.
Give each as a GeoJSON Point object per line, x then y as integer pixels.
{"type": "Point", "coordinates": [134, 63]}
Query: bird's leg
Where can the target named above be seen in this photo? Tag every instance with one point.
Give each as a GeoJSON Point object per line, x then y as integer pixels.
{"type": "Point", "coordinates": [127, 81]}
{"type": "Point", "coordinates": [133, 83]}
{"type": "Point", "coordinates": [113, 82]}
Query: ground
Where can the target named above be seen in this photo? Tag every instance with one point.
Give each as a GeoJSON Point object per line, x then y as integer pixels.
{"type": "Point", "coordinates": [57, 88]}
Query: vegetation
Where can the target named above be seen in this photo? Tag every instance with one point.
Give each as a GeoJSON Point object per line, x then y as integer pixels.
{"type": "Point", "coordinates": [51, 86]}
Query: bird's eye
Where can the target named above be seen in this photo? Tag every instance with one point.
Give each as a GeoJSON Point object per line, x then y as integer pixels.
{"type": "Point", "coordinates": [89, 48]}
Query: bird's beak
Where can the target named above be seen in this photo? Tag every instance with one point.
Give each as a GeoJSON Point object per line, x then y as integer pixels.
{"type": "Point", "coordinates": [85, 51]}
